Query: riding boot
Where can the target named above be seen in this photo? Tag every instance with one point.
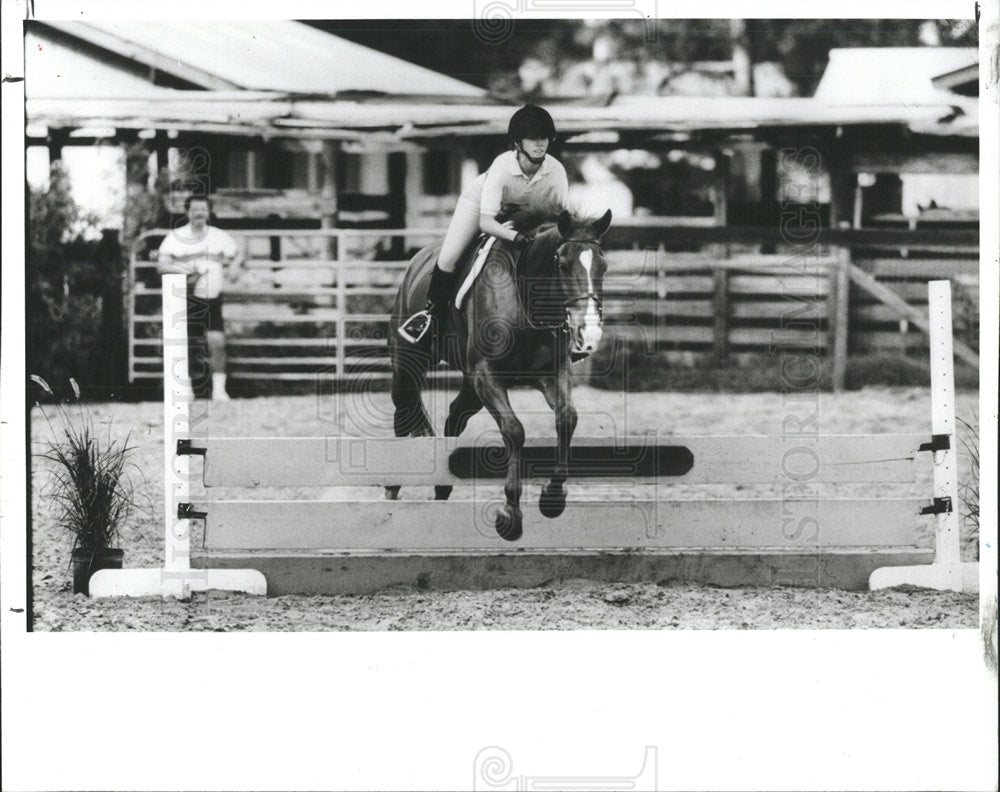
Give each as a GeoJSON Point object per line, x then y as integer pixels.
{"type": "Point", "coordinates": [439, 293]}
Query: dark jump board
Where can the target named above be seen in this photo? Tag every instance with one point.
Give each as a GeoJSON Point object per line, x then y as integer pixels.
{"type": "Point", "coordinates": [490, 462]}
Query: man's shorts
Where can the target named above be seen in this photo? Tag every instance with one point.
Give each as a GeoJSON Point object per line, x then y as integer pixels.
{"type": "Point", "coordinates": [207, 312]}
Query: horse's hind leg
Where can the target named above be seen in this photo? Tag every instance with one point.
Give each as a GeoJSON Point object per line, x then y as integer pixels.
{"type": "Point", "coordinates": [409, 418]}
{"type": "Point", "coordinates": [466, 404]}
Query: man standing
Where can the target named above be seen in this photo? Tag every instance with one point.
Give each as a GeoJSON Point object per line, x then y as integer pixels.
{"type": "Point", "coordinates": [201, 252]}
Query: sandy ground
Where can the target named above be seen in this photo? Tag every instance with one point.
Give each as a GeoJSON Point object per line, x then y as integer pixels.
{"type": "Point", "coordinates": [570, 604]}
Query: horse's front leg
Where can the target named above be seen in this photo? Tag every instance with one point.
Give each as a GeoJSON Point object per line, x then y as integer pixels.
{"type": "Point", "coordinates": [493, 393]}
{"type": "Point", "coordinates": [557, 392]}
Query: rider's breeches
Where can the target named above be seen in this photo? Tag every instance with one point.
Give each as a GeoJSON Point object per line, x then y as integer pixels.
{"type": "Point", "coordinates": [464, 227]}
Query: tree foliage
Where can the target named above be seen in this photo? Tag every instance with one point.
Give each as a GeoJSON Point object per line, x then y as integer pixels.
{"type": "Point", "coordinates": [71, 272]}
{"type": "Point", "coordinates": [801, 46]}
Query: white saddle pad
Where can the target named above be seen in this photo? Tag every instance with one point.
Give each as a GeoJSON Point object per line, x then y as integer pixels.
{"type": "Point", "coordinates": [474, 272]}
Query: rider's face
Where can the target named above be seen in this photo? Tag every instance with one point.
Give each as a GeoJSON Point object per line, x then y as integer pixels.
{"type": "Point", "coordinates": [535, 147]}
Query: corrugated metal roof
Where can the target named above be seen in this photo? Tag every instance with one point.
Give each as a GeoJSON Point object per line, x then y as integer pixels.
{"type": "Point", "coordinates": [260, 55]}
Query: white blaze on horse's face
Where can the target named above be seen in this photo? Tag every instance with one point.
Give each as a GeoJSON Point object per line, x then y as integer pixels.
{"type": "Point", "coordinates": [590, 333]}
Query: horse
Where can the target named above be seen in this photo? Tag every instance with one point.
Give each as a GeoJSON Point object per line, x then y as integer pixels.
{"type": "Point", "coordinates": [532, 311]}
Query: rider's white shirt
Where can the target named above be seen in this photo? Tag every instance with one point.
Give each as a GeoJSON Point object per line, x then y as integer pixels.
{"type": "Point", "coordinates": [506, 183]}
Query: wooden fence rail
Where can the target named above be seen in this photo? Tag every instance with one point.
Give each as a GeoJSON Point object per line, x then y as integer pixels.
{"type": "Point", "coordinates": [320, 311]}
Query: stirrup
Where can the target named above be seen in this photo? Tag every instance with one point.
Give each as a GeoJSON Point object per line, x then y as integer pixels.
{"type": "Point", "coordinates": [416, 327]}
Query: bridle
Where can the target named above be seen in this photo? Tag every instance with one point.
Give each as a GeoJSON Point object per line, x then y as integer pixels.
{"type": "Point", "coordinates": [562, 327]}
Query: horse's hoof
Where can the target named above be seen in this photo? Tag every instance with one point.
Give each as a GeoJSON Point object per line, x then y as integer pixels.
{"type": "Point", "coordinates": [509, 523]}
{"type": "Point", "coordinates": [552, 501]}
{"type": "Point", "coordinates": [442, 491]}
{"type": "Point", "coordinates": [391, 493]}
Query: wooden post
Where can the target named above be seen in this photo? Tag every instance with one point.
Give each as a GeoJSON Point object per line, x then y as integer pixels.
{"type": "Point", "coordinates": [840, 292]}
{"type": "Point", "coordinates": [842, 184]}
{"type": "Point", "coordinates": [397, 201]}
{"type": "Point", "coordinates": [720, 312]}
{"type": "Point", "coordinates": [943, 419]}
{"type": "Point", "coordinates": [720, 275]}
{"type": "Point", "coordinates": [948, 572]}
{"type": "Point", "coordinates": [720, 188]}
{"type": "Point", "coordinates": [175, 578]}
{"type": "Point", "coordinates": [177, 398]}
{"type": "Point", "coordinates": [858, 206]}
{"type": "Point", "coordinates": [54, 142]}
{"type": "Point", "coordinates": [328, 192]}
{"type": "Point", "coordinates": [341, 285]}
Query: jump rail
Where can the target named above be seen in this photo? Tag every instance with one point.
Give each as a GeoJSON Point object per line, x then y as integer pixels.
{"type": "Point", "coordinates": [637, 532]}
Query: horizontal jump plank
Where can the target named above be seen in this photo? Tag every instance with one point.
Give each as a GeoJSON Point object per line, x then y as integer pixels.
{"type": "Point", "coordinates": [469, 525]}
{"type": "Point", "coordinates": [743, 459]}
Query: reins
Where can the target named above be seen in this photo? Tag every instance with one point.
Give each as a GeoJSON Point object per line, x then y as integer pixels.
{"type": "Point", "coordinates": [563, 326]}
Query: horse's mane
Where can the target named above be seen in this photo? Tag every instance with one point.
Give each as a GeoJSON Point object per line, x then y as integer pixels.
{"type": "Point", "coordinates": [533, 217]}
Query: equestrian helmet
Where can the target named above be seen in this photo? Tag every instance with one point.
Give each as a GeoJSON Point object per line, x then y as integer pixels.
{"type": "Point", "coordinates": [533, 122]}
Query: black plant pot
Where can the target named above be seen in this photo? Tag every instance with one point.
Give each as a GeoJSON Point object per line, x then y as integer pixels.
{"type": "Point", "coordinates": [87, 562]}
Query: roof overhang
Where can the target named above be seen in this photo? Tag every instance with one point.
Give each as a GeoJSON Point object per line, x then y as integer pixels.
{"type": "Point", "coordinates": [959, 79]}
{"type": "Point", "coordinates": [402, 118]}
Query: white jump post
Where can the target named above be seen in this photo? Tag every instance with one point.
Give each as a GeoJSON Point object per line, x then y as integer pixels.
{"type": "Point", "coordinates": [948, 572]}
{"type": "Point", "coordinates": [175, 578]}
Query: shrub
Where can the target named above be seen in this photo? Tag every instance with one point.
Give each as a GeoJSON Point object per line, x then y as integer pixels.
{"type": "Point", "coordinates": [89, 477]}
{"type": "Point", "coordinates": [968, 491]}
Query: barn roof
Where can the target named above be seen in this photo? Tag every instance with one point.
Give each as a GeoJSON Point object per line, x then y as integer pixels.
{"type": "Point", "coordinates": [287, 79]}
{"type": "Point", "coordinates": [98, 57]}
{"type": "Point", "coordinates": [871, 75]}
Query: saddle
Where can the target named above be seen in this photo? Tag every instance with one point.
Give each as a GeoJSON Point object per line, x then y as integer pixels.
{"type": "Point", "coordinates": [475, 257]}
{"type": "Point", "coordinates": [473, 265]}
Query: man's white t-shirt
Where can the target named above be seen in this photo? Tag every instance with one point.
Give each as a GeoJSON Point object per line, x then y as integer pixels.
{"type": "Point", "coordinates": [205, 252]}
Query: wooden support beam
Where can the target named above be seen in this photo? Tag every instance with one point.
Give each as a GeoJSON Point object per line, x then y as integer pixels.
{"type": "Point", "coordinates": [891, 161]}
{"type": "Point", "coordinates": [329, 193]}
{"type": "Point", "coordinates": [839, 318]}
{"type": "Point", "coordinates": [720, 313]}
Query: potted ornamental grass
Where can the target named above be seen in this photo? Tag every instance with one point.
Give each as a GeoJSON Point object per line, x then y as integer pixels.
{"type": "Point", "coordinates": [90, 483]}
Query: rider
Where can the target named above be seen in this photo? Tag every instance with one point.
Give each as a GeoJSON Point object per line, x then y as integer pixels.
{"type": "Point", "coordinates": [524, 174]}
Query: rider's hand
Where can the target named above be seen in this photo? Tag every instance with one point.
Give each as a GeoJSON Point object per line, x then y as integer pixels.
{"type": "Point", "coordinates": [522, 238]}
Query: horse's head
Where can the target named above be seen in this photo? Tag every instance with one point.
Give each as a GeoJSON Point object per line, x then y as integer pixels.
{"type": "Point", "coordinates": [579, 279]}
{"type": "Point", "coordinates": [561, 274]}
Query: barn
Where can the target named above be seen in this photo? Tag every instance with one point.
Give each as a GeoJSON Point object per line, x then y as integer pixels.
{"type": "Point", "coordinates": [312, 159]}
